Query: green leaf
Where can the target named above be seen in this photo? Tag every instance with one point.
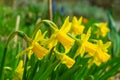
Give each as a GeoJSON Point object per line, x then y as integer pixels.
{"type": "Point", "coordinates": [48, 71]}
{"type": "Point", "coordinates": [69, 73]}
{"type": "Point", "coordinates": [113, 35]}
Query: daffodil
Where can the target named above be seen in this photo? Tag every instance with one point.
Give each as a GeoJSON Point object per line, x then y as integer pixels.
{"type": "Point", "coordinates": [77, 27]}
{"type": "Point", "coordinates": [62, 37]}
{"type": "Point", "coordinates": [35, 47]}
{"type": "Point", "coordinates": [100, 55]}
{"type": "Point", "coordinates": [19, 71]}
{"type": "Point", "coordinates": [68, 61]}
{"type": "Point", "coordinates": [84, 44]}
{"type": "Point", "coordinates": [102, 51]}
{"type": "Point", "coordinates": [102, 29]}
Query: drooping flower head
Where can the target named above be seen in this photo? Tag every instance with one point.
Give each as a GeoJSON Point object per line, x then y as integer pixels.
{"type": "Point", "coordinates": [100, 55]}
{"type": "Point", "coordinates": [102, 29]}
{"type": "Point", "coordinates": [62, 37]}
{"type": "Point", "coordinates": [19, 71]}
{"type": "Point", "coordinates": [65, 59]}
{"type": "Point", "coordinates": [83, 42]}
{"type": "Point", "coordinates": [77, 27]}
{"type": "Point", "coordinates": [35, 47]}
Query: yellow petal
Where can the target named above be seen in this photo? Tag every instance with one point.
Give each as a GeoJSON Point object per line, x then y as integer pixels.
{"type": "Point", "coordinates": [103, 29]}
{"type": "Point", "coordinates": [91, 48]}
{"type": "Point", "coordinates": [29, 54]}
{"type": "Point", "coordinates": [75, 21]}
{"type": "Point", "coordinates": [80, 50]}
{"type": "Point", "coordinates": [52, 41]}
{"type": "Point", "coordinates": [102, 46]}
{"type": "Point", "coordinates": [106, 45]}
{"type": "Point", "coordinates": [88, 34]}
{"type": "Point", "coordinates": [38, 36]}
{"type": "Point", "coordinates": [102, 56]}
{"type": "Point", "coordinates": [65, 40]}
{"type": "Point", "coordinates": [80, 20]}
{"type": "Point", "coordinates": [20, 66]}
{"type": "Point", "coordinates": [69, 62]}
{"type": "Point", "coordinates": [85, 37]}
{"type": "Point", "coordinates": [97, 61]}
{"type": "Point", "coordinates": [77, 27]}
{"type": "Point", "coordinates": [66, 26]}
{"type": "Point", "coordinates": [19, 70]}
{"type": "Point", "coordinates": [39, 50]}
{"type": "Point", "coordinates": [24, 51]}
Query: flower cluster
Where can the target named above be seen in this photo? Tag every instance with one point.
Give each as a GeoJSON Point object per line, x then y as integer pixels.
{"type": "Point", "coordinates": [70, 34]}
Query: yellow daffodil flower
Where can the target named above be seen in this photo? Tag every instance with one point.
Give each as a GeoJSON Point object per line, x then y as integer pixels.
{"type": "Point", "coordinates": [102, 51]}
{"type": "Point", "coordinates": [62, 37]}
{"type": "Point", "coordinates": [101, 54]}
{"type": "Point", "coordinates": [84, 45]}
{"type": "Point", "coordinates": [103, 29]}
{"type": "Point", "coordinates": [19, 71]}
{"type": "Point", "coordinates": [77, 26]}
{"type": "Point", "coordinates": [35, 47]}
{"type": "Point", "coordinates": [69, 62]}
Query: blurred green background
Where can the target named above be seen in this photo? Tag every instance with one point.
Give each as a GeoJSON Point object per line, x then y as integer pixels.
{"type": "Point", "coordinates": [31, 10]}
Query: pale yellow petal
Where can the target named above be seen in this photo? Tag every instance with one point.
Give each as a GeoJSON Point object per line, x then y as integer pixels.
{"type": "Point", "coordinates": [19, 71]}
{"type": "Point", "coordinates": [24, 51]}
{"type": "Point", "coordinates": [91, 48]}
{"type": "Point", "coordinates": [77, 27]}
{"type": "Point", "coordinates": [69, 62]}
{"type": "Point", "coordinates": [66, 26]}
{"type": "Point", "coordinates": [106, 45]}
{"type": "Point", "coordinates": [29, 54]}
{"type": "Point", "coordinates": [88, 34]}
{"type": "Point", "coordinates": [75, 21]}
{"type": "Point", "coordinates": [102, 56]}
{"type": "Point", "coordinates": [39, 51]}
{"type": "Point", "coordinates": [38, 36]}
{"type": "Point", "coordinates": [65, 40]}
{"type": "Point", "coordinates": [52, 41]}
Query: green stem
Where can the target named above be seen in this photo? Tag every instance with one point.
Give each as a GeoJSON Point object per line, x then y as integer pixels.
{"type": "Point", "coordinates": [22, 35]}
{"type": "Point", "coordinates": [48, 71]}
{"type": "Point", "coordinates": [33, 71]}
{"type": "Point", "coordinates": [2, 64]}
{"type": "Point", "coordinates": [50, 23]}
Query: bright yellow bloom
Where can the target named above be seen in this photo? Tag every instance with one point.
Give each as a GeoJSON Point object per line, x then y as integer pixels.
{"type": "Point", "coordinates": [102, 51]}
{"type": "Point", "coordinates": [19, 71]}
{"type": "Point", "coordinates": [62, 37]}
{"type": "Point", "coordinates": [52, 41]}
{"type": "Point", "coordinates": [84, 44]}
{"type": "Point", "coordinates": [69, 62]}
{"type": "Point", "coordinates": [36, 48]}
{"type": "Point", "coordinates": [66, 26]}
{"type": "Point", "coordinates": [39, 50]}
{"type": "Point", "coordinates": [77, 26]}
{"type": "Point", "coordinates": [65, 40]}
{"type": "Point", "coordinates": [103, 29]}
{"type": "Point", "coordinates": [90, 47]}
{"type": "Point", "coordinates": [101, 54]}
